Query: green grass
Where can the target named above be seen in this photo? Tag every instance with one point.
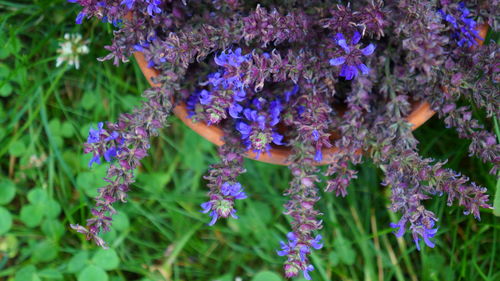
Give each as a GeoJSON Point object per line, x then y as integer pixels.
{"type": "Point", "coordinates": [160, 234]}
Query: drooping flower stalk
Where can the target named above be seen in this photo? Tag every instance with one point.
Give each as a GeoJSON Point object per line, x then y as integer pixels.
{"type": "Point", "coordinates": [223, 182]}
{"type": "Point", "coordinates": [301, 241]}
{"type": "Point", "coordinates": [124, 144]}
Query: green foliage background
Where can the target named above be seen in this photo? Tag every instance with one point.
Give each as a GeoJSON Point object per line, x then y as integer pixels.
{"type": "Point", "coordinates": [45, 185]}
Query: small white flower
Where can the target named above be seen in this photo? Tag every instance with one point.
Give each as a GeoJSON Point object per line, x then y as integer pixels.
{"type": "Point", "coordinates": [70, 49]}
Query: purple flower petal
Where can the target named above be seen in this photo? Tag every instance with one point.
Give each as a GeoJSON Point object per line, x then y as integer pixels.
{"type": "Point", "coordinates": [234, 110]}
{"type": "Point", "coordinates": [277, 138]}
{"type": "Point", "coordinates": [244, 129]}
{"type": "Point", "coordinates": [368, 50]}
{"type": "Point", "coordinates": [363, 68]}
{"type": "Point", "coordinates": [214, 216]}
{"type": "Point", "coordinates": [206, 207]}
{"type": "Point", "coordinates": [342, 43]}
{"type": "Point", "coordinates": [355, 38]}
{"type": "Point", "coordinates": [318, 156]}
{"type": "Point", "coordinates": [306, 272]}
{"type": "Point", "coordinates": [337, 61]}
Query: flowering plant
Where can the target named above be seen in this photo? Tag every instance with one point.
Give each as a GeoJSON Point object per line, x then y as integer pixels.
{"type": "Point", "coordinates": [306, 75]}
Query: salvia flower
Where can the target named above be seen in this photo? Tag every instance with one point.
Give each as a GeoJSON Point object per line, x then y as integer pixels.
{"type": "Point", "coordinates": [296, 252]}
{"type": "Point", "coordinates": [102, 143]}
{"type": "Point", "coordinates": [351, 57]}
{"type": "Point", "coordinates": [223, 184]}
{"type": "Point", "coordinates": [221, 204]}
{"type": "Point", "coordinates": [464, 27]}
{"type": "Point", "coordinates": [258, 127]}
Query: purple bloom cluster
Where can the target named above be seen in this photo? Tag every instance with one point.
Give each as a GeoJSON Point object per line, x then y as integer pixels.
{"type": "Point", "coordinates": [226, 93]}
{"type": "Point", "coordinates": [223, 184]}
{"type": "Point", "coordinates": [420, 231]}
{"type": "Point", "coordinates": [102, 143]}
{"type": "Point", "coordinates": [258, 128]}
{"type": "Point", "coordinates": [296, 252]}
{"type": "Point", "coordinates": [351, 59]}
{"type": "Point", "coordinates": [267, 80]}
{"type": "Point", "coordinates": [222, 205]}
{"type": "Point", "coordinates": [464, 27]}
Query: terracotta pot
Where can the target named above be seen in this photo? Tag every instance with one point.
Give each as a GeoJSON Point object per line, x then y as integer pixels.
{"type": "Point", "coordinates": [420, 113]}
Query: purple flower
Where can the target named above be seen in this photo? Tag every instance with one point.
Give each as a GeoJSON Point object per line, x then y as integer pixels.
{"type": "Point", "coordinates": [234, 190]}
{"type": "Point", "coordinates": [153, 7]}
{"type": "Point", "coordinates": [232, 58]}
{"type": "Point", "coordinates": [95, 159]}
{"type": "Point", "coordinates": [95, 134]}
{"type": "Point", "coordinates": [464, 28]}
{"type": "Point", "coordinates": [316, 242]}
{"type": "Point", "coordinates": [113, 136]}
{"type": "Point", "coordinates": [277, 138]}
{"type": "Point", "coordinates": [207, 206]}
{"type": "Point", "coordinates": [315, 135]}
{"type": "Point", "coordinates": [288, 248]}
{"type": "Point", "coordinates": [318, 156]}
{"type": "Point", "coordinates": [401, 228]}
{"type": "Point", "coordinates": [110, 153]}
{"type": "Point", "coordinates": [128, 3]}
{"type": "Point", "coordinates": [234, 110]}
{"type": "Point", "coordinates": [294, 91]}
{"type": "Point", "coordinates": [306, 272]}
{"type": "Point", "coordinates": [205, 97]}
{"type": "Point", "coordinates": [214, 217]}
{"type": "Point", "coordinates": [80, 17]}
{"type": "Point", "coordinates": [351, 60]}
{"type": "Point", "coordinates": [426, 232]}
{"type": "Point", "coordinates": [244, 129]}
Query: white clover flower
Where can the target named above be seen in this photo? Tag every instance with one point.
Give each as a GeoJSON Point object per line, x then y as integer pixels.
{"type": "Point", "coordinates": [71, 48]}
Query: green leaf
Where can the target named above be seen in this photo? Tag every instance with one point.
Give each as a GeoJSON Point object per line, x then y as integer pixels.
{"type": "Point", "coordinates": [121, 221]}
{"type": "Point", "coordinates": [53, 228]}
{"type": "Point", "coordinates": [67, 130]}
{"type": "Point", "coordinates": [17, 149]}
{"type": "Point", "coordinates": [31, 215]}
{"type": "Point", "coordinates": [27, 273]}
{"type": "Point", "coordinates": [266, 276]}
{"type": "Point", "coordinates": [334, 258]}
{"type": "Point", "coordinates": [14, 45]}
{"type": "Point", "coordinates": [7, 191]}
{"type": "Point", "coordinates": [89, 182]}
{"type": "Point", "coordinates": [50, 273]}
{"type": "Point", "coordinates": [153, 182]}
{"type": "Point", "coordinates": [5, 220]}
{"type": "Point", "coordinates": [88, 101]}
{"type": "Point", "coordinates": [9, 245]}
{"type": "Point", "coordinates": [45, 251]}
{"type": "Point", "coordinates": [85, 182]}
{"type": "Point", "coordinates": [5, 89]}
{"type": "Point", "coordinates": [4, 70]}
{"type": "Point", "coordinates": [78, 261]}
{"type": "Point", "coordinates": [110, 235]}
{"type": "Point", "coordinates": [106, 259]}
{"type": "Point", "coordinates": [37, 195]}
{"type": "Point", "coordinates": [52, 208]}
{"type": "Point", "coordinates": [345, 252]}
{"type": "Point", "coordinates": [92, 273]}
{"type": "Point", "coordinates": [55, 127]}
{"type": "Point", "coordinates": [496, 203]}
